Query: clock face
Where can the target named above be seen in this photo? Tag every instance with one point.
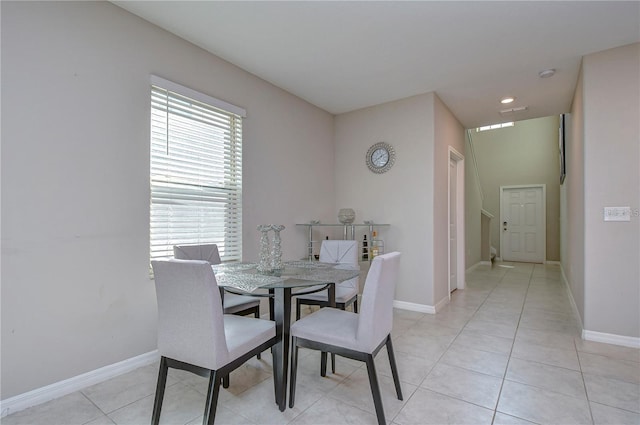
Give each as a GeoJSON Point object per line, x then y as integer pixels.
{"type": "Point", "coordinates": [380, 157]}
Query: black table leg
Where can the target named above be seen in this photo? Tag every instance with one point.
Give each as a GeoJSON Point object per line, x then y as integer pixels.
{"type": "Point", "coordinates": [282, 316]}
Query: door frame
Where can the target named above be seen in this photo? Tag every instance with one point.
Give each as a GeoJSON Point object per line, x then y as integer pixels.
{"type": "Point", "coordinates": [544, 216]}
{"type": "Point", "coordinates": [458, 158]}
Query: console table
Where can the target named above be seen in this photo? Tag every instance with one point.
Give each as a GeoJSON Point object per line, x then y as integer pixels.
{"type": "Point", "coordinates": [348, 233]}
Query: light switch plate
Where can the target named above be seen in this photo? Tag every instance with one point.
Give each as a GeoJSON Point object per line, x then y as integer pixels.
{"type": "Point", "coordinates": [617, 213]}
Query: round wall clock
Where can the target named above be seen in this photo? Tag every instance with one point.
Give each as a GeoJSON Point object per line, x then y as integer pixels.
{"type": "Point", "coordinates": [380, 157]}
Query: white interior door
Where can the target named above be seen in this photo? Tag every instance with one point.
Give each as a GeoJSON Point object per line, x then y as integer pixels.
{"type": "Point", "coordinates": [453, 232]}
{"type": "Point", "coordinates": [523, 224]}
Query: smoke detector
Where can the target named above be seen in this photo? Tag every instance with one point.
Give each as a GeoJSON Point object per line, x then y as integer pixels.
{"type": "Point", "coordinates": [514, 110]}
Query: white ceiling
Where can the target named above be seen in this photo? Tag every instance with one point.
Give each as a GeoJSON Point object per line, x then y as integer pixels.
{"type": "Point", "coordinates": [342, 56]}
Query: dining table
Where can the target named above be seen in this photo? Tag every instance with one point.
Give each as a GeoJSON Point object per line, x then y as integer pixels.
{"type": "Point", "coordinates": [298, 277]}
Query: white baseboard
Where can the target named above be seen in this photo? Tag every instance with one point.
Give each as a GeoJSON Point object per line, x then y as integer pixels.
{"type": "Point", "coordinates": [478, 264]}
{"type": "Point", "coordinates": [440, 304]}
{"type": "Point", "coordinates": [625, 341]}
{"type": "Point", "coordinates": [421, 308]}
{"type": "Point", "coordinates": [68, 386]}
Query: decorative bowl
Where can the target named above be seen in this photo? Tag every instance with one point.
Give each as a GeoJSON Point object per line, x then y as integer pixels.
{"type": "Point", "coordinates": [346, 215]}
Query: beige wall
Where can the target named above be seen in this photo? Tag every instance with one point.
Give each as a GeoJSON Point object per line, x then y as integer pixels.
{"type": "Point", "coordinates": [526, 153]}
{"type": "Point", "coordinates": [386, 198]}
{"type": "Point", "coordinates": [412, 196]}
{"type": "Point", "coordinates": [572, 216]}
{"type": "Point", "coordinates": [472, 210]}
{"type": "Point", "coordinates": [611, 102]}
{"type": "Point", "coordinates": [448, 133]}
{"type": "Point", "coordinates": [76, 293]}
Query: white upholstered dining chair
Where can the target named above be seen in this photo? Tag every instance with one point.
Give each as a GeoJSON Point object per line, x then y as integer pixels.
{"type": "Point", "coordinates": [339, 252]}
{"type": "Point", "coordinates": [355, 336]}
{"type": "Point", "coordinates": [195, 335]}
{"type": "Point", "coordinates": [233, 304]}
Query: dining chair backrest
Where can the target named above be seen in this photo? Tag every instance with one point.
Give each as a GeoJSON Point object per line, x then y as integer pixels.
{"type": "Point", "coordinates": [190, 316]}
{"type": "Point", "coordinates": [206, 252]}
{"type": "Point", "coordinates": [339, 251]}
{"type": "Point", "coordinates": [375, 320]}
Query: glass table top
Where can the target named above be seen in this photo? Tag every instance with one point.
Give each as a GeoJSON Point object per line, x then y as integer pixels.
{"type": "Point", "coordinates": [296, 274]}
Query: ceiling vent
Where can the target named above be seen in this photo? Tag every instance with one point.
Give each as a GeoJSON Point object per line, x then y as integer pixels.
{"type": "Point", "coordinates": [513, 110]}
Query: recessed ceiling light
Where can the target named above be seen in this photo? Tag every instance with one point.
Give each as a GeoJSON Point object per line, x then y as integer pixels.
{"type": "Point", "coordinates": [546, 73]}
{"type": "Point", "coordinates": [507, 99]}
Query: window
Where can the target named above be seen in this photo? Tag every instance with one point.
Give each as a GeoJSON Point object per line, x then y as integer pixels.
{"type": "Point", "coordinates": [494, 126]}
{"type": "Point", "coordinates": [196, 171]}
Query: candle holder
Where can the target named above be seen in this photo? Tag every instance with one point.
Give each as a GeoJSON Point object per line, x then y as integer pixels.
{"type": "Point", "coordinates": [276, 252]}
{"type": "Point", "coordinates": [264, 265]}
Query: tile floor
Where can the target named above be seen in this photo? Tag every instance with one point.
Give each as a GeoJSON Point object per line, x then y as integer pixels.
{"type": "Point", "coordinates": [506, 350]}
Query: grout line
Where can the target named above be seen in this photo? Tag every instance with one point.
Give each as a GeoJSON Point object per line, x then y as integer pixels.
{"type": "Point", "coordinates": [586, 393]}
{"type": "Point", "coordinates": [504, 378]}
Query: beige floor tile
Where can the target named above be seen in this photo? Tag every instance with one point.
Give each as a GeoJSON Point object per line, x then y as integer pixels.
{"type": "Point", "coordinates": [259, 406]}
{"type": "Point", "coordinates": [606, 415]}
{"type": "Point", "coordinates": [463, 384]}
{"type": "Point", "coordinates": [622, 370]}
{"type": "Point", "coordinates": [547, 355]}
{"type": "Point", "coordinates": [224, 416]}
{"type": "Point", "coordinates": [559, 340]}
{"type": "Point", "coordinates": [308, 373]}
{"type": "Point", "coordinates": [609, 350]}
{"type": "Point", "coordinates": [71, 409]}
{"type": "Point", "coordinates": [493, 364]}
{"type": "Point", "coordinates": [542, 406]}
{"type": "Point", "coordinates": [102, 420]}
{"type": "Point", "coordinates": [356, 391]}
{"type": "Point", "coordinates": [491, 343]}
{"type": "Point", "coordinates": [181, 404]}
{"type": "Point", "coordinates": [612, 392]}
{"type": "Point", "coordinates": [427, 329]}
{"type": "Point", "coordinates": [500, 310]}
{"type": "Point", "coordinates": [497, 312]}
{"type": "Point", "coordinates": [430, 349]}
{"type": "Point", "coordinates": [125, 389]}
{"type": "Point", "coordinates": [330, 411]}
{"type": "Point", "coordinates": [503, 419]}
{"type": "Point", "coordinates": [552, 378]}
{"type": "Point", "coordinates": [427, 407]}
{"type": "Point", "coordinates": [411, 369]}
{"type": "Point", "coordinates": [503, 329]}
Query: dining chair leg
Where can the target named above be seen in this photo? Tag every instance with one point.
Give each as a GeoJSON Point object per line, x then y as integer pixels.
{"type": "Point", "coordinates": [212, 398]}
{"type": "Point", "coordinates": [271, 305]}
{"type": "Point", "coordinates": [225, 381]}
{"type": "Point", "coordinates": [274, 370]}
{"type": "Point", "coordinates": [375, 389]}
{"type": "Point", "coordinates": [355, 306]}
{"type": "Point", "coordinates": [294, 371]}
{"type": "Point", "coordinates": [333, 363]}
{"type": "Point", "coordinates": [394, 367]}
{"type": "Point", "coordinates": [257, 316]}
{"type": "Point", "coordinates": [297, 309]}
{"type": "Point", "coordinates": [323, 363]}
{"type": "Point", "coordinates": [162, 382]}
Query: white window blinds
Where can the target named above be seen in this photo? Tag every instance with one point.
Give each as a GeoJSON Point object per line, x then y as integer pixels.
{"type": "Point", "coordinates": [196, 171]}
